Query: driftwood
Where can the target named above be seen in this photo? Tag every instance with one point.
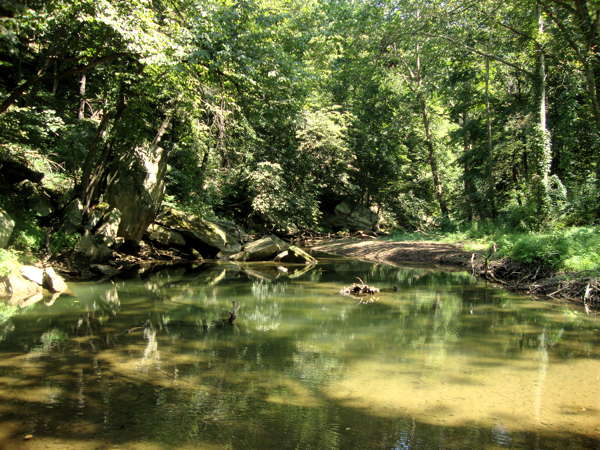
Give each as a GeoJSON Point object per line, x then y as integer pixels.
{"type": "Point", "coordinates": [359, 289]}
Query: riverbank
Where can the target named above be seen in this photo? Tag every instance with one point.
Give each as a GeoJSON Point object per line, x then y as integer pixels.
{"type": "Point", "coordinates": [580, 287]}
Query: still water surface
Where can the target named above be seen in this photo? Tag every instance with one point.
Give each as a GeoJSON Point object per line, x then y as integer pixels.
{"type": "Point", "coordinates": [444, 361]}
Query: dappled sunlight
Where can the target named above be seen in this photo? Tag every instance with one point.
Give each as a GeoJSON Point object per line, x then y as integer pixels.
{"type": "Point", "coordinates": [463, 391]}
{"type": "Point", "coordinates": [301, 364]}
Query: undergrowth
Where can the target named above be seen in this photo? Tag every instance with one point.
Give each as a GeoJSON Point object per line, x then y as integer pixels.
{"type": "Point", "coordinates": [574, 249]}
{"type": "Point", "coordinates": [9, 262]}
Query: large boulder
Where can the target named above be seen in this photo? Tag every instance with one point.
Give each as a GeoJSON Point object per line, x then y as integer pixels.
{"type": "Point", "coordinates": [110, 225]}
{"type": "Point", "coordinates": [295, 255]}
{"type": "Point", "coordinates": [73, 216]}
{"type": "Point", "coordinates": [165, 236]}
{"type": "Point", "coordinates": [138, 184]}
{"type": "Point", "coordinates": [16, 288]}
{"type": "Point", "coordinates": [93, 248]}
{"type": "Point", "coordinates": [33, 273]}
{"type": "Point", "coordinates": [6, 228]}
{"type": "Point", "coordinates": [352, 218]}
{"type": "Point", "coordinates": [261, 250]}
{"type": "Point", "coordinates": [201, 234]}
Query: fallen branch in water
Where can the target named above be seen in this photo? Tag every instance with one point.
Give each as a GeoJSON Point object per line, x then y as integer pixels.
{"type": "Point", "coordinates": [359, 289]}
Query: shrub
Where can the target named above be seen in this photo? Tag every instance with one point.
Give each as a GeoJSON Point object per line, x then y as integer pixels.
{"type": "Point", "coordinates": [8, 262]}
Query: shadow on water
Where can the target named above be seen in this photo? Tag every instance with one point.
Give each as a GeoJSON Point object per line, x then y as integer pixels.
{"type": "Point", "coordinates": [144, 364]}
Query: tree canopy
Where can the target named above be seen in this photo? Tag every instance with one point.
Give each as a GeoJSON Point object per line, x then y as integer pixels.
{"type": "Point", "coordinates": [272, 113]}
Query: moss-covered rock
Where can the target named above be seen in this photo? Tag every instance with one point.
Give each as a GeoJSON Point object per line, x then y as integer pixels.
{"type": "Point", "coordinates": [165, 236]}
{"type": "Point", "coordinates": [263, 249]}
{"type": "Point", "coordinates": [201, 234]}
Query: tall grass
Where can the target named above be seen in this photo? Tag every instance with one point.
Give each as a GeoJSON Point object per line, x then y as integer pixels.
{"type": "Point", "coordinates": [572, 249]}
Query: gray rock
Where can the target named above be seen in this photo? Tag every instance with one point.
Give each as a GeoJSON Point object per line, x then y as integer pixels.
{"type": "Point", "coordinates": [93, 248]}
{"type": "Point", "coordinates": [73, 216]}
{"type": "Point", "coordinates": [33, 273]}
{"type": "Point", "coordinates": [264, 249]}
{"type": "Point", "coordinates": [6, 228]}
{"type": "Point", "coordinates": [352, 218]}
{"type": "Point", "coordinates": [17, 288]}
{"type": "Point", "coordinates": [53, 281]}
{"type": "Point", "coordinates": [295, 255]}
{"type": "Point", "coordinates": [138, 188]}
{"type": "Point", "coordinates": [165, 236]}
{"type": "Point", "coordinates": [201, 234]}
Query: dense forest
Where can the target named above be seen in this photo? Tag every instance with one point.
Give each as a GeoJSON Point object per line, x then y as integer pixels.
{"type": "Point", "coordinates": [278, 114]}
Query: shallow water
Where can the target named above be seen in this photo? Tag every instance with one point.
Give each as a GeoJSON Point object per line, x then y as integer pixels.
{"type": "Point", "coordinates": [444, 361]}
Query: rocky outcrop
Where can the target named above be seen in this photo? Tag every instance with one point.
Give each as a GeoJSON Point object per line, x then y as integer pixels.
{"type": "Point", "coordinates": [138, 184]}
{"type": "Point", "coordinates": [295, 255]}
{"type": "Point", "coordinates": [205, 236]}
{"type": "Point", "coordinates": [25, 287]}
{"type": "Point", "coordinates": [261, 250]}
{"type": "Point", "coordinates": [16, 289]}
{"type": "Point", "coordinates": [6, 228]}
{"type": "Point", "coordinates": [352, 218]}
{"type": "Point", "coordinates": [93, 248]}
{"type": "Point", "coordinates": [73, 216]}
{"type": "Point", "coordinates": [165, 236]}
{"type": "Point", "coordinates": [13, 171]}
{"type": "Point", "coordinates": [32, 273]}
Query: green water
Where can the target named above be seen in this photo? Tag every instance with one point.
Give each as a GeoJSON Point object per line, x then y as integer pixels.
{"type": "Point", "coordinates": [436, 360]}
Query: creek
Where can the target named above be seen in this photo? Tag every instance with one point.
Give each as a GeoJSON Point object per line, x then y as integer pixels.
{"type": "Point", "coordinates": [437, 359]}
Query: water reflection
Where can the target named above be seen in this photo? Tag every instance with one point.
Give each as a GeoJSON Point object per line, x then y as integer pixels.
{"type": "Point", "coordinates": [439, 360]}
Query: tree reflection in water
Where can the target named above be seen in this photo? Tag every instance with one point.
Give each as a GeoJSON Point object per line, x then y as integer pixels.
{"type": "Point", "coordinates": [442, 361]}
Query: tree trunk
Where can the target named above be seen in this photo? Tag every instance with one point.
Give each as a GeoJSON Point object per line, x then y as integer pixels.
{"type": "Point", "coordinates": [81, 112]}
{"type": "Point", "coordinates": [438, 188]}
{"type": "Point", "coordinates": [431, 158]}
{"type": "Point", "coordinates": [467, 182]}
{"type": "Point", "coordinates": [489, 167]}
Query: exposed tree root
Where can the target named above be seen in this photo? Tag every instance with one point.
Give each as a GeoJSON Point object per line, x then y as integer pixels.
{"type": "Point", "coordinates": [540, 280]}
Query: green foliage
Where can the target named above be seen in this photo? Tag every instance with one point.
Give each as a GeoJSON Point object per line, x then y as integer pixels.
{"type": "Point", "coordinates": [572, 249]}
{"type": "Point", "coordinates": [28, 235]}
{"type": "Point", "coordinates": [9, 262]}
{"type": "Point", "coordinates": [567, 249]}
{"type": "Point", "coordinates": [61, 242]}
{"type": "Point", "coordinates": [283, 109]}
{"type": "Point", "coordinates": [274, 202]}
